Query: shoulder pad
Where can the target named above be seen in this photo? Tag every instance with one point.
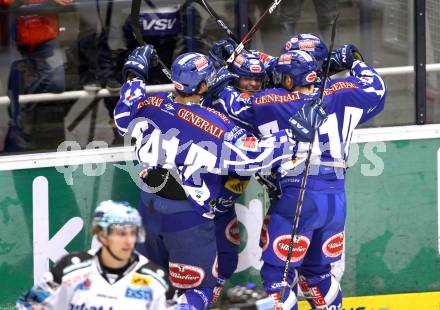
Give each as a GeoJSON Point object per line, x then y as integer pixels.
{"type": "Point", "coordinates": [155, 271]}
{"type": "Point", "coordinates": [69, 263]}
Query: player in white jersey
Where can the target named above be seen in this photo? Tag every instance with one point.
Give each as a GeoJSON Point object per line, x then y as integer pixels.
{"type": "Point", "coordinates": [111, 277]}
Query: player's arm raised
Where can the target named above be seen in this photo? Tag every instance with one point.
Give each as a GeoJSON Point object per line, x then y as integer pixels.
{"type": "Point", "coordinates": [364, 89]}
{"type": "Point", "coordinates": [135, 73]}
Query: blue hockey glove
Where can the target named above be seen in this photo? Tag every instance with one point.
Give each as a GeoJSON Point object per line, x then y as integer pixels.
{"type": "Point", "coordinates": [310, 117]}
{"type": "Point", "coordinates": [343, 58]}
{"type": "Point", "coordinates": [222, 79]}
{"type": "Point", "coordinates": [139, 61]}
{"type": "Point", "coordinates": [221, 50]}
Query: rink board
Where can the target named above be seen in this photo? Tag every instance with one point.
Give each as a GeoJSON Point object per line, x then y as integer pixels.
{"type": "Point", "coordinates": [392, 217]}
{"type": "Point", "coordinates": [413, 301]}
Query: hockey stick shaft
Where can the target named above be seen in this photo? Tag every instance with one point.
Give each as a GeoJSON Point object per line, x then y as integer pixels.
{"type": "Point", "coordinates": [299, 204]}
{"type": "Point", "coordinates": [134, 17]}
{"type": "Point", "coordinates": [254, 29]}
{"type": "Point", "coordinates": [217, 18]}
{"type": "Point", "coordinates": [327, 67]}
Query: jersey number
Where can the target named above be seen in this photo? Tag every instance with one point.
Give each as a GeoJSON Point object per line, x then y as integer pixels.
{"type": "Point", "coordinates": [157, 150]}
{"type": "Point", "coordinates": [337, 143]}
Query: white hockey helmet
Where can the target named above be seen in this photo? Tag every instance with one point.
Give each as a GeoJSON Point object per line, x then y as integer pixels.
{"type": "Point", "coordinates": [111, 213]}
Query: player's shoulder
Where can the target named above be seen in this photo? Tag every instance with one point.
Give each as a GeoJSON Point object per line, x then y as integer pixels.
{"type": "Point", "coordinates": [148, 271]}
{"type": "Point", "coordinates": [341, 85]}
{"type": "Point", "coordinates": [274, 95]}
{"type": "Point", "coordinates": [274, 90]}
{"type": "Point", "coordinates": [155, 100]}
{"type": "Point", "coordinates": [70, 263]}
{"type": "Point", "coordinates": [219, 115]}
{"type": "Point", "coordinates": [211, 115]}
{"type": "Point", "coordinates": [228, 92]}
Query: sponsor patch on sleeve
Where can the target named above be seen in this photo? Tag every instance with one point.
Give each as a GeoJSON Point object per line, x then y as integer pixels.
{"type": "Point", "coordinates": [247, 143]}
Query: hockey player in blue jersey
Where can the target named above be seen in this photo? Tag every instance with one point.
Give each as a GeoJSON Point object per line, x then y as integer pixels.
{"type": "Point", "coordinates": [313, 45]}
{"type": "Point", "coordinates": [177, 133]}
{"type": "Point", "coordinates": [349, 102]}
{"type": "Point", "coordinates": [250, 77]}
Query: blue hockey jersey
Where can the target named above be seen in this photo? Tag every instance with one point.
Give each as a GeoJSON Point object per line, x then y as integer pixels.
{"type": "Point", "coordinates": [349, 102]}
{"type": "Point", "coordinates": [206, 147]}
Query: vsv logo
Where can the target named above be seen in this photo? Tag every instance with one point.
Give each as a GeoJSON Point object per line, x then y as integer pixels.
{"type": "Point", "coordinates": [159, 24]}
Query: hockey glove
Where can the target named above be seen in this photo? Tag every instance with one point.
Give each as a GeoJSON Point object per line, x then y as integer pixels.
{"type": "Point", "coordinates": [223, 79]}
{"type": "Point", "coordinates": [139, 61]}
{"type": "Point", "coordinates": [343, 58]}
{"type": "Point", "coordinates": [269, 182]}
{"type": "Point", "coordinates": [221, 50]}
{"type": "Point", "coordinates": [310, 117]}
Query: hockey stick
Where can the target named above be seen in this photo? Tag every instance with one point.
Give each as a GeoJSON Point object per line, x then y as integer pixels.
{"type": "Point", "coordinates": [294, 237]}
{"type": "Point", "coordinates": [217, 18]}
{"type": "Point", "coordinates": [134, 17]}
{"type": "Point", "coordinates": [251, 32]}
